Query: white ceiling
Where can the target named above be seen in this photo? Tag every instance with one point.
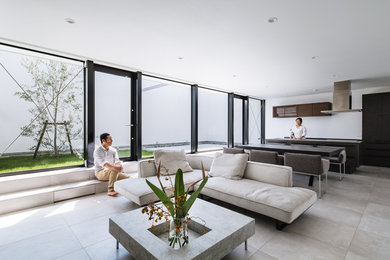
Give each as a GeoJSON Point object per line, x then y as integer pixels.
{"type": "Point", "coordinates": [225, 44]}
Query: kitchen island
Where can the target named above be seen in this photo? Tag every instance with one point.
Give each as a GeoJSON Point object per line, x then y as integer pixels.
{"type": "Point", "coordinates": [352, 148]}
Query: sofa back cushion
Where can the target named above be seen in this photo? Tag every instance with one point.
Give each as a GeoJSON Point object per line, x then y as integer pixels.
{"type": "Point", "coordinates": [231, 166]}
{"type": "Point", "coordinates": [171, 161]}
{"type": "Point", "coordinates": [269, 173]}
{"type": "Point", "coordinates": [195, 161]}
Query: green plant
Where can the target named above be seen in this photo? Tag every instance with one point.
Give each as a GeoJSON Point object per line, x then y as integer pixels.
{"type": "Point", "coordinates": [178, 206]}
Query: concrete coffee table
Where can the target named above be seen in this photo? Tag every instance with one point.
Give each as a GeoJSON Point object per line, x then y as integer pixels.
{"type": "Point", "coordinates": [226, 230]}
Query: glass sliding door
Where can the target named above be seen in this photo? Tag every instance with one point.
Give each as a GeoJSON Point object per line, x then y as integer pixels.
{"type": "Point", "coordinates": [254, 121]}
{"type": "Point", "coordinates": [41, 111]}
{"type": "Point", "coordinates": [212, 119]}
{"type": "Point", "coordinates": [113, 110]}
{"type": "Point", "coordinates": [166, 115]}
{"type": "Point", "coordinates": [238, 121]}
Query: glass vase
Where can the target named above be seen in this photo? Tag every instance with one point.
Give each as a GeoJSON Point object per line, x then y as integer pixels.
{"type": "Point", "coordinates": [178, 233]}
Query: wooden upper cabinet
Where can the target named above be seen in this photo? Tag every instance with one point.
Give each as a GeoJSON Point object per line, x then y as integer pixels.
{"type": "Point", "coordinates": [318, 107]}
{"type": "Point", "coordinates": [290, 111]}
{"type": "Point", "coordinates": [285, 111]}
{"type": "Point", "coordinates": [303, 110]}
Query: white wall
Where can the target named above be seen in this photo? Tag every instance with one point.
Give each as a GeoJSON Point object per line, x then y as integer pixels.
{"type": "Point", "coordinates": [340, 125]}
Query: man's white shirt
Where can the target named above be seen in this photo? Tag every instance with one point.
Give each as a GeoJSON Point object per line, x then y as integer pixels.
{"type": "Point", "coordinates": [103, 156]}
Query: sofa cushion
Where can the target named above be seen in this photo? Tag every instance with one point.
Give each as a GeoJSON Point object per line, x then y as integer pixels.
{"type": "Point", "coordinates": [195, 161]}
{"type": "Point", "coordinates": [282, 203]}
{"type": "Point", "coordinates": [171, 161]}
{"type": "Point", "coordinates": [231, 166]}
{"type": "Point", "coordinates": [146, 168]}
{"type": "Point", "coordinates": [138, 191]}
{"type": "Point", "coordinates": [269, 173]}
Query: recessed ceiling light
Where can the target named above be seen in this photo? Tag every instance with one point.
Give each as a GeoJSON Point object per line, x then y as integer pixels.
{"type": "Point", "coordinates": [180, 58]}
{"type": "Point", "coordinates": [70, 20]}
{"type": "Point", "coordinates": [273, 19]}
{"type": "Point", "coordinates": [234, 76]}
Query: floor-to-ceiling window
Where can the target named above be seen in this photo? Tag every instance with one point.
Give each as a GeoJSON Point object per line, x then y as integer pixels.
{"type": "Point", "coordinates": [41, 110]}
{"type": "Point", "coordinates": [254, 122]}
{"type": "Point", "coordinates": [238, 121]}
{"type": "Point", "coordinates": [212, 119]}
{"type": "Point", "coordinates": [166, 115]}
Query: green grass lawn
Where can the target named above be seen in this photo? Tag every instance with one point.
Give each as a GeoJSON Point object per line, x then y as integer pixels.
{"type": "Point", "coordinates": [26, 162]}
{"type": "Point", "coordinates": [126, 153]}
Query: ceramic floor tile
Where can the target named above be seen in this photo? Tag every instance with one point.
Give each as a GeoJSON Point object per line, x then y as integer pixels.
{"type": "Point", "coordinates": [240, 253]}
{"type": "Point", "coordinates": [49, 245]}
{"type": "Point", "coordinates": [28, 224]}
{"type": "Point", "coordinates": [352, 256]}
{"type": "Point", "coordinates": [336, 214]}
{"type": "Point", "coordinates": [323, 230]}
{"type": "Point", "coordinates": [352, 185]}
{"type": "Point", "coordinates": [260, 255]}
{"type": "Point", "coordinates": [378, 210]}
{"type": "Point", "coordinates": [92, 231]}
{"type": "Point", "coordinates": [361, 199]}
{"type": "Point", "coordinates": [345, 203]}
{"type": "Point", "coordinates": [106, 250]}
{"type": "Point", "coordinates": [370, 245]}
{"type": "Point", "coordinates": [382, 184]}
{"type": "Point", "coordinates": [264, 231]}
{"type": "Point", "coordinates": [350, 194]}
{"type": "Point", "coordinates": [380, 195]}
{"type": "Point", "coordinates": [122, 204]}
{"type": "Point", "coordinates": [77, 255]}
{"type": "Point", "coordinates": [294, 246]}
{"type": "Point", "coordinates": [91, 211]}
{"type": "Point", "coordinates": [377, 225]}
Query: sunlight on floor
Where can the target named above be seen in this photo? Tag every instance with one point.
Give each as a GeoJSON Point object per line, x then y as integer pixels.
{"type": "Point", "coordinates": [14, 219]}
{"type": "Point", "coordinates": [67, 207]}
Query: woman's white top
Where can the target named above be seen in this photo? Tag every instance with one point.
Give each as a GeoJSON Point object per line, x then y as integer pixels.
{"type": "Point", "coordinates": [299, 131]}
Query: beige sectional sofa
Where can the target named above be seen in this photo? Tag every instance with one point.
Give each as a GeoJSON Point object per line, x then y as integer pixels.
{"type": "Point", "coordinates": [265, 188]}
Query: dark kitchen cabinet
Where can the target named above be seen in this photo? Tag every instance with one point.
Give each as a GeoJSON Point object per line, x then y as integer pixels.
{"type": "Point", "coordinates": [302, 110]}
{"type": "Point", "coordinates": [305, 110]}
{"type": "Point", "coordinates": [376, 133]}
{"type": "Point", "coordinates": [285, 111]}
{"type": "Point", "coordinates": [318, 107]}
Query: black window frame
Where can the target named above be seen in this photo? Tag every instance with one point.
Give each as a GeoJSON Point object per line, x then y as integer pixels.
{"type": "Point", "coordinates": [134, 103]}
{"type": "Point", "coordinates": [136, 111]}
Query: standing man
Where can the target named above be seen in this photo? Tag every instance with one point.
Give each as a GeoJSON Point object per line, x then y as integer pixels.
{"type": "Point", "coordinates": [298, 131]}
{"type": "Point", "coordinates": [107, 164]}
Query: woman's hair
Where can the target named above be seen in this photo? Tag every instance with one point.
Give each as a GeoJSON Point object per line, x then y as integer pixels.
{"type": "Point", "coordinates": [300, 119]}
